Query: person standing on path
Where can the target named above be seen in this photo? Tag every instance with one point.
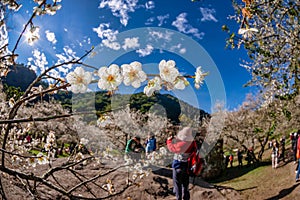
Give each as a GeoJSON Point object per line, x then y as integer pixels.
{"type": "Point", "coordinates": [274, 155]}
{"type": "Point", "coordinates": [182, 146]}
{"type": "Point", "coordinates": [298, 158]}
{"type": "Point", "coordinates": [282, 147]}
{"type": "Point", "coordinates": [150, 143]}
{"type": "Point", "coordinates": [231, 159]}
{"type": "Point", "coordinates": [240, 157]}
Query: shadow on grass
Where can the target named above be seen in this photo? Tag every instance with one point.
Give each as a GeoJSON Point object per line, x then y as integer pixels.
{"type": "Point", "coordinates": [284, 192]}
{"type": "Point", "coordinates": [235, 172]}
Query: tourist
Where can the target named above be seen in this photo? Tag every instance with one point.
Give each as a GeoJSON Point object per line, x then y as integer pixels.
{"type": "Point", "coordinates": [298, 157]}
{"type": "Point", "coordinates": [274, 154]}
{"type": "Point", "coordinates": [240, 157]}
{"type": "Point", "coordinates": [294, 137]}
{"type": "Point", "coordinates": [282, 148]}
{"type": "Point", "coordinates": [182, 146]}
{"type": "Point", "coordinates": [231, 159]}
{"type": "Point", "coordinates": [150, 143]}
{"type": "Point", "coordinates": [134, 148]}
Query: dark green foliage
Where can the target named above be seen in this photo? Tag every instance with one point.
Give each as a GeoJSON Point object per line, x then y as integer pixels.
{"type": "Point", "coordinates": [12, 92]}
{"type": "Point", "coordinates": [170, 104]}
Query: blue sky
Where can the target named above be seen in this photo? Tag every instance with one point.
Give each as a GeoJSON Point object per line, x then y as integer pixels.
{"type": "Point", "coordinates": [146, 31]}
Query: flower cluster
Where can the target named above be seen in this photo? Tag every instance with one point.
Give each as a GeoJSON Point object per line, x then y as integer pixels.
{"type": "Point", "coordinates": [109, 187]}
{"type": "Point", "coordinates": [247, 32]}
{"type": "Point", "coordinates": [40, 158]}
{"type": "Point", "coordinates": [138, 173]}
{"type": "Point", "coordinates": [32, 35]}
{"type": "Point", "coordinates": [111, 77]}
{"type": "Point", "coordinates": [13, 5]}
{"type": "Point", "coordinates": [50, 144]}
{"type": "Point", "coordinates": [49, 9]}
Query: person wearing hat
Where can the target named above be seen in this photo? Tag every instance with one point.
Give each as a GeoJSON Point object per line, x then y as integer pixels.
{"type": "Point", "coordinates": [182, 146]}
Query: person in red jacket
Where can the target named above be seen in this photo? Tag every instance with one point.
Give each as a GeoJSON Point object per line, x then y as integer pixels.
{"type": "Point", "coordinates": [298, 156]}
{"type": "Point", "coordinates": [182, 146]}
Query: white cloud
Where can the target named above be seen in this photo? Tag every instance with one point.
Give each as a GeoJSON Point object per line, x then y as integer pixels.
{"type": "Point", "coordinates": [65, 29]}
{"type": "Point", "coordinates": [182, 51]}
{"type": "Point", "coordinates": [3, 32]}
{"type": "Point", "coordinates": [120, 8]}
{"type": "Point", "coordinates": [56, 73]}
{"type": "Point", "coordinates": [157, 35]}
{"type": "Point", "coordinates": [66, 56]}
{"type": "Point", "coordinates": [131, 43]}
{"type": "Point", "coordinates": [208, 14]}
{"type": "Point", "coordinates": [149, 21]}
{"type": "Point", "coordinates": [108, 36]}
{"type": "Point", "coordinates": [38, 62]}
{"type": "Point", "coordinates": [145, 52]}
{"type": "Point", "coordinates": [162, 19]}
{"type": "Point", "coordinates": [50, 37]}
{"type": "Point", "coordinates": [178, 48]}
{"type": "Point", "coordinates": [181, 23]}
{"type": "Point", "coordinates": [150, 5]}
{"type": "Point", "coordinates": [110, 44]}
{"type": "Point", "coordinates": [104, 32]}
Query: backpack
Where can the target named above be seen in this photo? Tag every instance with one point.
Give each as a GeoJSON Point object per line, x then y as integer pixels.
{"type": "Point", "coordinates": [195, 163]}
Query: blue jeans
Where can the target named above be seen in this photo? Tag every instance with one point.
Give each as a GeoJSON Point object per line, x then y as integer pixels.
{"type": "Point", "coordinates": [181, 183]}
{"type": "Point", "coordinates": [298, 170]}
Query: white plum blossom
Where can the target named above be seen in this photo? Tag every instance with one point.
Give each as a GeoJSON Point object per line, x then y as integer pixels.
{"type": "Point", "coordinates": [31, 161]}
{"type": "Point", "coordinates": [180, 83]}
{"type": "Point", "coordinates": [152, 86]}
{"type": "Point", "coordinates": [247, 32]}
{"type": "Point", "coordinates": [110, 77]}
{"type": "Point", "coordinates": [11, 102]}
{"type": "Point", "coordinates": [133, 74]}
{"type": "Point", "coordinates": [79, 156]}
{"type": "Point", "coordinates": [199, 77]}
{"type": "Point", "coordinates": [47, 146]}
{"type": "Point", "coordinates": [84, 141]}
{"type": "Point", "coordinates": [109, 187]}
{"type": "Point", "coordinates": [51, 10]}
{"type": "Point", "coordinates": [32, 35]}
{"type": "Point", "coordinates": [51, 137]}
{"type": "Point", "coordinates": [15, 160]}
{"type": "Point", "coordinates": [168, 71]}
{"type": "Point", "coordinates": [79, 80]}
{"type": "Point", "coordinates": [128, 160]}
{"type": "Point", "coordinates": [41, 159]}
{"type": "Point", "coordinates": [163, 151]}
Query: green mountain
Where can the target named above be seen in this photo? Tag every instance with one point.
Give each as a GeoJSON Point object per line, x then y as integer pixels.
{"type": "Point", "coordinates": [161, 104]}
{"type": "Point", "coordinates": [19, 77]}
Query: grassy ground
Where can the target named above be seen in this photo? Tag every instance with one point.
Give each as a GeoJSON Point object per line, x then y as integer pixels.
{"type": "Point", "coordinates": [261, 181]}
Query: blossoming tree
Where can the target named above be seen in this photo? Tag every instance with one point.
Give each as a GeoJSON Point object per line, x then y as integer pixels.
{"type": "Point", "coordinates": [269, 31]}
{"type": "Point", "coordinates": [18, 163]}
